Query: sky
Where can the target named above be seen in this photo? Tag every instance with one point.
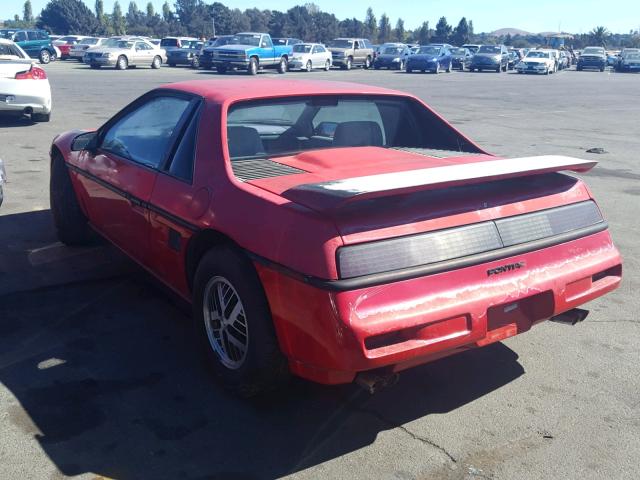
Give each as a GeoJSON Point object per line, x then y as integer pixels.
{"type": "Point", "coordinates": [575, 16]}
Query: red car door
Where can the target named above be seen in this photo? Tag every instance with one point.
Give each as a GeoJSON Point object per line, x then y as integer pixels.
{"type": "Point", "coordinates": [178, 201]}
{"type": "Point", "coordinates": [120, 174]}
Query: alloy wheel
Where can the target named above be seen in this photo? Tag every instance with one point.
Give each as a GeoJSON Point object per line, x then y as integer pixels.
{"type": "Point", "coordinates": [225, 322]}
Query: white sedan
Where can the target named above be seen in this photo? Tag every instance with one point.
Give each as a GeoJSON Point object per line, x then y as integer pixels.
{"type": "Point", "coordinates": [307, 56]}
{"type": "Point", "coordinates": [24, 87]}
{"type": "Point", "coordinates": [537, 61]}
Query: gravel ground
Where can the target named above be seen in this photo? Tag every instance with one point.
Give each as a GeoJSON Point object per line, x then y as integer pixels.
{"type": "Point", "coordinates": [98, 378]}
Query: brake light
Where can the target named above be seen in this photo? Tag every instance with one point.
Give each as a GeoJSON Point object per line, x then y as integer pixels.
{"type": "Point", "coordinates": [34, 73]}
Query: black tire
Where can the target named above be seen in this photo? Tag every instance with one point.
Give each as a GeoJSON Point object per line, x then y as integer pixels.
{"type": "Point", "coordinates": [157, 62]}
{"type": "Point", "coordinates": [221, 69]}
{"type": "Point", "coordinates": [349, 63]}
{"type": "Point", "coordinates": [283, 66]}
{"type": "Point", "coordinates": [195, 63]}
{"type": "Point", "coordinates": [44, 57]}
{"type": "Point", "coordinates": [449, 68]}
{"type": "Point", "coordinates": [122, 63]}
{"type": "Point", "coordinates": [367, 63]}
{"type": "Point", "coordinates": [70, 222]}
{"type": "Point", "coordinates": [252, 68]}
{"type": "Point", "coordinates": [327, 65]}
{"type": "Point", "coordinates": [41, 117]}
{"type": "Point", "coordinates": [264, 367]}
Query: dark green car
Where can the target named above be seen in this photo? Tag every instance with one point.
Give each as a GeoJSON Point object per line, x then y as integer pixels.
{"type": "Point", "coordinates": [36, 43]}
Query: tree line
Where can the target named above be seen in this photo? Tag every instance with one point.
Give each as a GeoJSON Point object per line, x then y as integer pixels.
{"type": "Point", "coordinates": [200, 19]}
{"type": "Point", "coordinates": [308, 22]}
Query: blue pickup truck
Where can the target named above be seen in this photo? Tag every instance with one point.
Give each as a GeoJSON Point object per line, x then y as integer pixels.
{"type": "Point", "coordinates": [250, 52]}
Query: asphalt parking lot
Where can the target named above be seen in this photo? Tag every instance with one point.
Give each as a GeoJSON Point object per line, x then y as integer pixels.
{"type": "Point", "coordinates": [97, 372]}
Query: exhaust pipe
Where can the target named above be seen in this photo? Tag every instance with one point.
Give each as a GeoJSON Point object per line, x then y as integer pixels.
{"type": "Point", "coordinates": [571, 317]}
{"type": "Point", "coordinates": [374, 381]}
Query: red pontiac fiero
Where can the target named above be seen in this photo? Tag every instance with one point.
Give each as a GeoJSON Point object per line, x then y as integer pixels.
{"type": "Point", "coordinates": [337, 231]}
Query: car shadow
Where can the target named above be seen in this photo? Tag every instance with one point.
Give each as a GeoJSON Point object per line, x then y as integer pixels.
{"type": "Point", "coordinates": [13, 121]}
{"type": "Point", "coordinates": [107, 382]}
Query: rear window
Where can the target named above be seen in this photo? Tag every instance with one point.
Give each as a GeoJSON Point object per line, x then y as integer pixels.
{"type": "Point", "coordinates": [169, 42]}
{"type": "Point", "coordinates": [280, 127]}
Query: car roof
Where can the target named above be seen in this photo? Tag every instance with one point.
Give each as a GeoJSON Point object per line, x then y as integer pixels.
{"type": "Point", "coordinates": [226, 91]}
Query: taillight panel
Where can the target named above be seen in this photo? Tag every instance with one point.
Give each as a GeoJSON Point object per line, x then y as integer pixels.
{"type": "Point", "coordinates": [34, 73]}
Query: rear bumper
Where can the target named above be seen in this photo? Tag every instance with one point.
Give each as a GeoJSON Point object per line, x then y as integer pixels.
{"type": "Point", "coordinates": [17, 96]}
{"type": "Point", "coordinates": [329, 337]}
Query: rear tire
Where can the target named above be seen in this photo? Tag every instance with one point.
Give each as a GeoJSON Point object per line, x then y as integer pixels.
{"type": "Point", "coordinates": [72, 227]}
{"type": "Point", "coordinates": [237, 341]}
{"type": "Point", "coordinates": [327, 65]}
{"type": "Point", "coordinates": [283, 66]}
{"type": "Point", "coordinates": [41, 117]}
{"type": "Point", "coordinates": [44, 57]}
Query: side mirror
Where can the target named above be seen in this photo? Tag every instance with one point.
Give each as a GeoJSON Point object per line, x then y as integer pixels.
{"type": "Point", "coordinates": [85, 141]}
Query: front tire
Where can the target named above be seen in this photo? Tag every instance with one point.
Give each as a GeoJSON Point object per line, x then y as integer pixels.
{"type": "Point", "coordinates": [309, 66]}
{"type": "Point", "coordinates": [252, 68]}
{"type": "Point", "coordinates": [367, 63]}
{"type": "Point", "coordinates": [327, 65]}
{"type": "Point", "coordinates": [349, 64]}
{"type": "Point", "coordinates": [72, 227]}
{"type": "Point", "coordinates": [233, 325]}
{"type": "Point", "coordinates": [122, 63]}
{"type": "Point", "coordinates": [157, 63]}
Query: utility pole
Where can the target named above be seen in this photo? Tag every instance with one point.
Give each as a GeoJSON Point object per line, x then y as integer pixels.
{"type": "Point", "coordinates": [213, 21]}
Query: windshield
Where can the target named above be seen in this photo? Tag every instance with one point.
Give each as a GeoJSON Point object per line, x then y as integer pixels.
{"type": "Point", "coordinates": [632, 56]}
{"type": "Point", "coordinates": [281, 127]}
{"type": "Point", "coordinates": [593, 51]}
{"type": "Point", "coordinates": [115, 43]}
{"type": "Point", "coordinates": [393, 50]}
{"type": "Point", "coordinates": [458, 51]}
{"type": "Point", "coordinates": [221, 41]}
{"type": "Point", "coordinates": [534, 54]}
{"type": "Point", "coordinates": [340, 43]}
{"type": "Point", "coordinates": [88, 41]}
{"type": "Point", "coordinates": [429, 50]}
{"type": "Point", "coordinates": [301, 48]}
{"type": "Point", "coordinates": [169, 42]}
{"type": "Point", "coordinates": [251, 40]}
{"type": "Point", "coordinates": [489, 49]}
{"type": "Point", "coordinates": [191, 44]}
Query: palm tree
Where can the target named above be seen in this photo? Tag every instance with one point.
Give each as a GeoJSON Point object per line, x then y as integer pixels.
{"type": "Point", "coordinates": [599, 36]}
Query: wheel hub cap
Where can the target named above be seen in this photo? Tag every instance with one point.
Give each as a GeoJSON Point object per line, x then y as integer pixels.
{"type": "Point", "coordinates": [226, 322]}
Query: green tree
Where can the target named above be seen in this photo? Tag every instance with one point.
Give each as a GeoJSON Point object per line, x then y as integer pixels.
{"type": "Point", "coordinates": [150, 10]}
{"type": "Point", "coordinates": [461, 33]}
{"type": "Point", "coordinates": [443, 31]}
{"type": "Point", "coordinates": [67, 16]}
{"type": "Point", "coordinates": [423, 34]}
{"type": "Point", "coordinates": [384, 29]}
{"type": "Point", "coordinates": [167, 14]}
{"type": "Point", "coordinates": [370, 25]}
{"type": "Point", "coordinates": [117, 20]}
{"type": "Point", "coordinates": [599, 36]}
{"type": "Point", "coordinates": [258, 19]}
{"type": "Point", "coordinates": [399, 31]}
{"type": "Point", "coordinates": [27, 14]}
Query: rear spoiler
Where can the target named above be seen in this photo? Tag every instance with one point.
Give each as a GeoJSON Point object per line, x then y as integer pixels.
{"type": "Point", "coordinates": [337, 193]}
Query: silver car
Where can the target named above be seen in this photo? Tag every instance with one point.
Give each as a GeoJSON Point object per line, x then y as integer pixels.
{"type": "Point", "coordinates": [124, 52]}
{"type": "Point", "coordinates": [77, 51]}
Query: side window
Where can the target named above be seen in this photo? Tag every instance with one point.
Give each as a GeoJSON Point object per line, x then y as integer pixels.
{"type": "Point", "coordinates": [140, 46]}
{"type": "Point", "coordinates": [356, 44]}
{"type": "Point", "coordinates": [33, 35]}
{"type": "Point", "coordinates": [182, 162]}
{"type": "Point", "coordinates": [266, 42]}
{"type": "Point", "coordinates": [315, 50]}
{"type": "Point", "coordinates": [144, 135]}
{"type": "Point", "coordinates": [43, 36]}
{"type": "Point", "coordinates": [20, 37]}
{"type": "Point", "coordinates": [321, 49]}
